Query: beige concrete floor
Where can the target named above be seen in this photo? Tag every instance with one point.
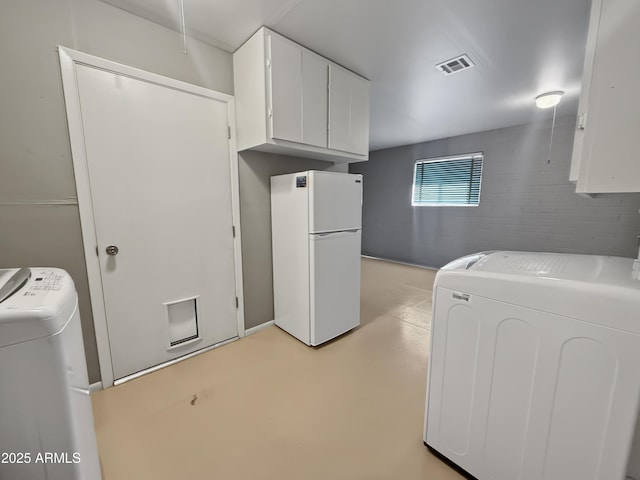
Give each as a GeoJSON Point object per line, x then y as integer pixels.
{"type": "Point", "coordinates": [269, 407]}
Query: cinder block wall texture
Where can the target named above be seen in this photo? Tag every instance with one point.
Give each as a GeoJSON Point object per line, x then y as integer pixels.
{"type": "Point", "coordinates": [525, 203]}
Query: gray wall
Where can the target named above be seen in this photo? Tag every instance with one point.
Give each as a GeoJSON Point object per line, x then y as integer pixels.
{"type": "Point", "coordinates": [255, 170]}
{"type": "Point", "coordinates": [38, 207]}
{"type": "Point", "coordinates": [525, 203]}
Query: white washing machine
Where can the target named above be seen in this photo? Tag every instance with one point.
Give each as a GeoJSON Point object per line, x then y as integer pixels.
{"type": "Point", "coordinates": [534, 366]}
{"type": "Point", "coordinates": [46, 420]}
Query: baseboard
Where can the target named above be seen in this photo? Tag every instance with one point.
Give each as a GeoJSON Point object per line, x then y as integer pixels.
{"type": "Point", "coordinates": [155, 368]}
{"type": "Point", "coordinates": [400, 263]}
{"type": "Point", "coordinates": [94, 387]}
{"type": "Point", "coordinates": [257, 328]}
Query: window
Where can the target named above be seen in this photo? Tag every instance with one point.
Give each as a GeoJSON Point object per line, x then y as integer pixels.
{"type": "Point", "coordinates": [453, 181]}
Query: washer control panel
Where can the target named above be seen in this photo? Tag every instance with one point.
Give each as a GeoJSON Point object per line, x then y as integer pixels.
{"type": "Point", "coordinates": [46, 281]}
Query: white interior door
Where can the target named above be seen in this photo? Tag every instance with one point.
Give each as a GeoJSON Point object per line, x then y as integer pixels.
{"type": "Point", "coordinates": [159, 173]}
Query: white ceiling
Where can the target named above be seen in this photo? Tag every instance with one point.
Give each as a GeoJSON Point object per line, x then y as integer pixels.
{"type": "Point", "coordinates": [521, 48]}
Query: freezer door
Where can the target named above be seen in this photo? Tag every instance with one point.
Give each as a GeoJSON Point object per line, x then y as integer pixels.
{"type": "Point", "coordinates": [335, 284]}
{"type": "Point", "coordinates": [335, 202]}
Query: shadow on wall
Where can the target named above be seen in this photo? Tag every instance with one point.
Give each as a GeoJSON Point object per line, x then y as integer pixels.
{"type": "Point", "coordinates": [255, 171]}
{"type": "Point", "coordinates": [526, 203]}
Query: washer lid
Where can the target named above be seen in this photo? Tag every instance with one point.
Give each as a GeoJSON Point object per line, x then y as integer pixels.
{"type": "Point", "coordinates": [593, 288]}
{"type": "Point", "coordinates": [5, 274]}
{"type": "Point", "coordinates": [549, 265]}
{"type": "Point", "coordinates": [598, 269]}
{"type": "Point", "coordinates": [12, 280]}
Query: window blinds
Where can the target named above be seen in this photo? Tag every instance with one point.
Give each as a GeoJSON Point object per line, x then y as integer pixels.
{"type": "Point", "coordinates": [448, 181]}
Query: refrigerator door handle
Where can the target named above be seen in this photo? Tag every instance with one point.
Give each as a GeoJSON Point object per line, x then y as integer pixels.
{"type": "Point", "coordinates": [342, 233]}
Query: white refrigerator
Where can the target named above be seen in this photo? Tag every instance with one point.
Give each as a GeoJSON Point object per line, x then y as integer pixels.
{"type": "Point", "coordinates": [316, 220]}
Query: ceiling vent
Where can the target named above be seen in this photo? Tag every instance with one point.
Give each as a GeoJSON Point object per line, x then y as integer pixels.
{"type": "Point", "coordinates": [455, 65]}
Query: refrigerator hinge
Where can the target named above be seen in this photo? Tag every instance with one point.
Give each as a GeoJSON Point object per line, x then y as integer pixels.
{"type": "Point", "coordinates": [229, 131]}
{"type": "Point", "coordinates": [237, 304]}
{"type": "Point", "coordinates": [97, 251]}
{"type": "Point", "coordinates": [233, 230]}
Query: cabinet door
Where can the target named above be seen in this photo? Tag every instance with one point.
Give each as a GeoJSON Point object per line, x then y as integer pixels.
{"type": "Point", "coordinates": [359, 115]}
{"type": "Point", "coordinates": [348, 111]}
{"type": "Point", "coordinates": [315, 78]}
{"type": "Point", "coordinates": [285, 99]}
{"type": "Point", "coordinates": [339, 109]}
{"type": "Point", "coordinates": [613, 110]}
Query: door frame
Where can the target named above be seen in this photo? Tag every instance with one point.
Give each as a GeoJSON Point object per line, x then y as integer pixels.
{"type": "Point", "coordinates": [69, 58]}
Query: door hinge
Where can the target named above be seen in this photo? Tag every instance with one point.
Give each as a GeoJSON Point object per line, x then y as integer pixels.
{"type": "Point", "coordinates": [233, 230]}
{"type": "Point", "coordinates": [97, 251]}
{"type": "Point", "coordinates": [582, 121]}
{"type": "Point", "coordinates": [237, 303]}
{"type": "Point", "coordinates": [229, 131]}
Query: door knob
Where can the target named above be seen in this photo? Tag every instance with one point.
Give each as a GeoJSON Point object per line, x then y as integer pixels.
{"type": "Point", "coordinates": [112, 250]}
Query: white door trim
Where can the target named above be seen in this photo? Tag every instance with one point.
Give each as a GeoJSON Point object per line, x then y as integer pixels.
{"type": "Point", "coordinates": [68, 60]}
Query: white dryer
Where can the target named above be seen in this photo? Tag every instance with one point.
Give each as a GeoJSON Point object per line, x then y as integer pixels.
{"type": "Point", "coordinates": [46, 420]}
{"type": "Point", "coordinates": [533, 369]}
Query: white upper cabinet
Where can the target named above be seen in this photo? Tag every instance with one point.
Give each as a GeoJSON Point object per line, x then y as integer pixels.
{"type": "Point", "coordinates": [348, 111]}
{"type": "Point", "coordinates": [285, 93]}
{"type": "Point", "coordinates": [609, 111]}
{"type": "Point", "coordinates": [315, 71]}
{"type": "Point", "coordinates": [290, 100]}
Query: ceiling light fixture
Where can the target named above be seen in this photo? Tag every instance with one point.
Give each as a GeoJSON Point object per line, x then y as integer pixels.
{"type": "Point", "coordinates": [549, 99]}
